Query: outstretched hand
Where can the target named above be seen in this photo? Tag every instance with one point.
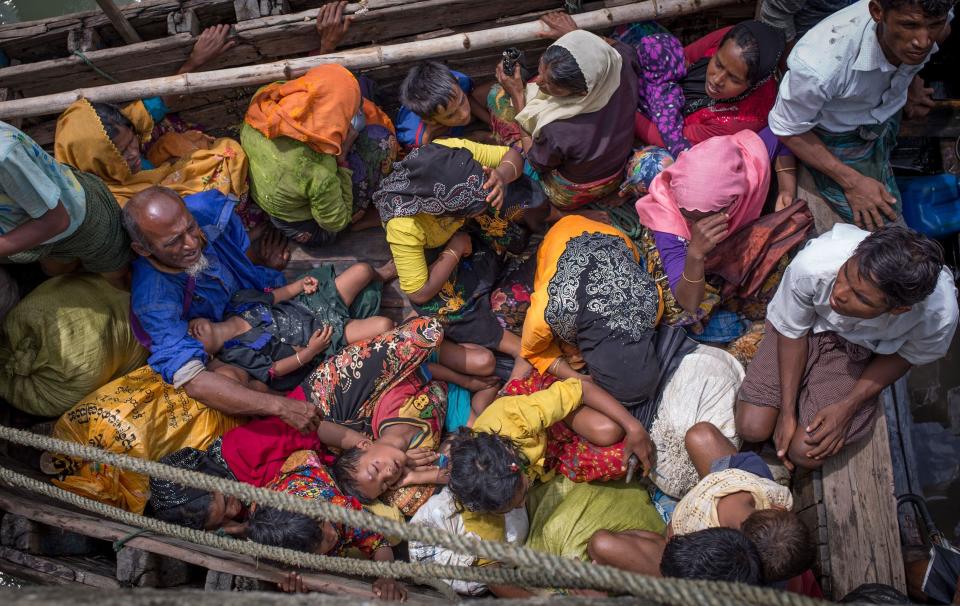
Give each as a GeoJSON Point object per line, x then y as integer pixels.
{"type": "Point", "coordinates": [557, 24]}
{"type": "Point", "coordinates": [212, 42]}
{"type": "Point", "coordinates": [332, 25]}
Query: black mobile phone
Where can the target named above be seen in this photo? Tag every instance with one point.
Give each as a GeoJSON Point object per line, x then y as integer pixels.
{"type": "Point", "coordinates": [511, 57]}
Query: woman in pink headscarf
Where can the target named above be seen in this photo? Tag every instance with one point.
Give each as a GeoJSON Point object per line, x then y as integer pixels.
{"type": "Point", "coordinates": [713, 190]}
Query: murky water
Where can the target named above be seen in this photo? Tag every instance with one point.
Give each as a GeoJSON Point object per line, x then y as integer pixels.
{"type": "Point", "coordinates": [12, 11]}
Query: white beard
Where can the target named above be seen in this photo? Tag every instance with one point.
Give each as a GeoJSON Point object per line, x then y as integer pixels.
{"type": "Point", "coordinates": [197, 268]}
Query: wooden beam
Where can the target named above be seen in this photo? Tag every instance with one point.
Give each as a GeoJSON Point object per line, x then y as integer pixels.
{"type": "Point", "coordinates": [119, 21]}
{"type": "Point", "coordinates": [861, 511]}
{"type": "Point", "coordinates": [355, 59]}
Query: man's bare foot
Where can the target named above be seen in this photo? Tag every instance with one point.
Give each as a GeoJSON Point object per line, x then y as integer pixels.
{"type": "Point", "coordinates": [386, 272]}
{"type": "Point", "coordinates": [521, 368]}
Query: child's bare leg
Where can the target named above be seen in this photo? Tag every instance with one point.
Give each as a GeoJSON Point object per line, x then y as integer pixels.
{"type": "Point", "coordinates": [354, 279]}
{"type": "Point", "coordinates": [355, 331]}
{"type": "Point", "coordinates": [480, 401]}
{"type": "Point", "coordinates": [467, 358]}
{"type": "Point", "coordinates": [510, 345]}
{"type": "Point", "coordinates": [705, 444]}
{"type": "Point", "coordinates": [595, 426]}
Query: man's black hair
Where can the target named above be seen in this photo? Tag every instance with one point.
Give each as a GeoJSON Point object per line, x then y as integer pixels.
{"type": "Point", "coordinates": [714, 554]}
{"type": "Point", "coordinates": [343, 471]}
{"type": "Point", "coordinates": [429, 86]}
{"type": "Point", "coordinates": [930, 8]}
{"type": "Point", "coordinates": [904, 264]}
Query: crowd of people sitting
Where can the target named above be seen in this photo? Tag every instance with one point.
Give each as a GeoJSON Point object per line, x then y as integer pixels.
{"type": "Point", "coordinates": [609, 272]}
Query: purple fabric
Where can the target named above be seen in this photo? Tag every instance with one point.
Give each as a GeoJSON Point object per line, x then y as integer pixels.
{"type": "Point", "coordinates": [673, 254]}
{"type": "Point", "coordinates": [660, 94]}
{"type": "Point", "coordinates": [775, 147]}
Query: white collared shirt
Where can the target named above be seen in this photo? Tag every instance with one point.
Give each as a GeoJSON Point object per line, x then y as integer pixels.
{"type": "Point", "coordinates": [839, 78]}
{"type": "Point", "coordinates": [802, 303]}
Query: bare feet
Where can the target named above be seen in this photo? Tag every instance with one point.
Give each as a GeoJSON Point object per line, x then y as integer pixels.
{"type": "Point", "coordinates": [386, 272]}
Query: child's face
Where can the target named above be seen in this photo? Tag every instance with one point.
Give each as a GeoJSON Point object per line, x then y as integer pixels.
{"type": "Point", "coordinates": [205, 331]}
{"type": "Point", "coordinates": [223, 509]}
{"type": "Point", "coordinates": [519, 497]}
{"type": "Point", "coordinates": [455, 113]}
{"type": "Point", "coordinates": [330, 539]}
{"type": "Point", "coordinates": [379, 467]}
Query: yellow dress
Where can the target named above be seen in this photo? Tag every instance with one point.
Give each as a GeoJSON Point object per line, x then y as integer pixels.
{"type": "Point", "coordinates": [187, 163]}
{"type": "Point", "coordinates": [524, 419]}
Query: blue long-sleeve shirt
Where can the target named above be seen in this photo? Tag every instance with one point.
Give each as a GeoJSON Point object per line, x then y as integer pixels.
{"type": "Point", "coordinates": [157, 297]}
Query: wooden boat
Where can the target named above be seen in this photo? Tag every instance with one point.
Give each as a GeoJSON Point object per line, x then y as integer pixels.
{"type": "Point", "coordinates": [849, 505]}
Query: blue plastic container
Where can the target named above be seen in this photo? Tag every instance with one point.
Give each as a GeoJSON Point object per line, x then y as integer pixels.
{"type": "Point", "coordinates": [931, 205]}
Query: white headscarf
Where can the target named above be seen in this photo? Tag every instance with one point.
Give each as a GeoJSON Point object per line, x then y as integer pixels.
{"type": "Point", "coordinates": [600, 64]}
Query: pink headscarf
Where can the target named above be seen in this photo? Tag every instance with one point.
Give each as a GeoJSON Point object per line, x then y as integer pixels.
{"type": "Point", "coordinates": [729, 173]}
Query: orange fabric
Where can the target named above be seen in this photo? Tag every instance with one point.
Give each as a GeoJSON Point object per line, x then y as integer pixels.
{"type": "Point", "coordinates": [315, 108]}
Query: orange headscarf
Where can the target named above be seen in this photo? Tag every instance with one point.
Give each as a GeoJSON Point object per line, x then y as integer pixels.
{"type": "Point", "coordinates": [315, 108]}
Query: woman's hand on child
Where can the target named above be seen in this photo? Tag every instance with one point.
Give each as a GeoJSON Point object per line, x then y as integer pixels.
{"type": "Point", "coordinates": [320, 339]}
{"type": "Point", "coordinates": [390, 589]}
{"type": "Point", "coordinates": [637, 442]}
{"type": "Point", "coordinates": [421, 457]}
{"type": "Point", "coordinates": [310, 285]}
{"type": "Point", "coordinates": [495, 186]}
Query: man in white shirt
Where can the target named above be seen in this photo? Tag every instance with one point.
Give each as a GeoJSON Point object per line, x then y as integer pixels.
{"type": "Point", "coordinates": [839, 104]}
{"type": "Point", "coordinates": [853, 313]}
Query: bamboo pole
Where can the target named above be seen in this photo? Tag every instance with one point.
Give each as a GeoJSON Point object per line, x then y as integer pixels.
{"type": "Point", "coordinates": [357, 59]}
{"type": "Point", "coordinates": [121, 23]}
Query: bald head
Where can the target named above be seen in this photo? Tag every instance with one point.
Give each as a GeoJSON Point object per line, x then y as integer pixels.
{"type": "Point", "coordinates": [160, 226]}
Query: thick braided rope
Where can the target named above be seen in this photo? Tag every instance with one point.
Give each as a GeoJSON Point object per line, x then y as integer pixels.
{"type": "Point", "coordinates": [561, 571]}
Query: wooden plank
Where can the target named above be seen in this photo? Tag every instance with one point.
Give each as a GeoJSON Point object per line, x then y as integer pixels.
{"type": "Point", "coordinates": [861, 518]}
{"type": "Point", "coordinates": [43, 510]}
{"type": "Point", "coordinates": [119, 21]}
{"type": "Point", "coordinates": [57, 570]}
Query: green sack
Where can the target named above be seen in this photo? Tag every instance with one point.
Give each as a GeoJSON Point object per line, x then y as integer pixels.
{"type": "Point", "coordinates": [564, 514]}
{"type": "Point", "coordinates": [64, 340]}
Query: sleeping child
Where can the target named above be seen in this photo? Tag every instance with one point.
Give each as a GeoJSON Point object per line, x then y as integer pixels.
{"type": "Point", "coordinates": [277, 337]}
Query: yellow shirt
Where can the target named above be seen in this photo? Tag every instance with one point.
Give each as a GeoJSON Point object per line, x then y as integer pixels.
{"type": "Point", "coordinates": [524, 419]}
{"type": "Point", "coordinates": [489, 156]}
{"type": "Point", "coordinates": [538, 343]}
{"type": "Point", "coordinates": [409, 237]}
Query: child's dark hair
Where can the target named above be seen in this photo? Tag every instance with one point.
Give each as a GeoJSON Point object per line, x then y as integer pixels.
{"type": "Point", "coordinates": [783, 542]}
{"type": "Point", "coordinates": [429, 85]}
{"type": "Point", "coordinates": [112, 118]}
{"type": "Point", "coordinates": [713, 554]}
{"type": "Point", "coordinates": [192, 514]}
{"type": "Point", "coordinates": [564, 69]}
{"type": "Point", "coordinates": [343, 470]}
{"type": "Point", "coordinates": [271, 526]}
{"type": "Point", "coordinates": [485, 470]}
